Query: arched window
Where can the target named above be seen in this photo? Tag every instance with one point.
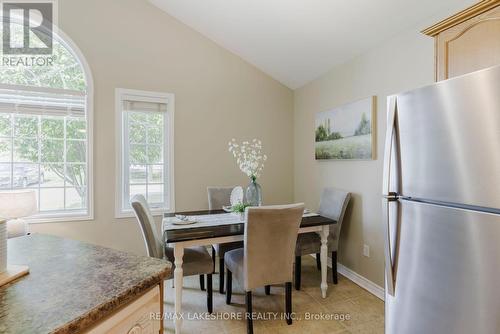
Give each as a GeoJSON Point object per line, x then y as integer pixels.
{"type": "Point", "coordinates": [46, 131]}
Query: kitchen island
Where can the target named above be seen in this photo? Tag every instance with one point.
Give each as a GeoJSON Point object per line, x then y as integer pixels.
{"type": "Point", "coordinates": [75, 287]}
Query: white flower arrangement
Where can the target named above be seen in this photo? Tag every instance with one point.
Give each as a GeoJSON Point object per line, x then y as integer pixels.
{"type": "Point", "coordinates": [249, 157]}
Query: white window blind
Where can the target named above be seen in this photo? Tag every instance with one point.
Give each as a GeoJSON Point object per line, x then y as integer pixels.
{"type": "Point", "coordinates": [42, 101]}
{"type": "Point", "coordinates": [142, 106]}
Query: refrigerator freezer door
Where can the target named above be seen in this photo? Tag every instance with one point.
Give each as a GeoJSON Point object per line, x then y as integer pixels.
{"type": "Point", "coordinates": [447, 268]}
{"type": "Point", "coordinates": [449, 140]}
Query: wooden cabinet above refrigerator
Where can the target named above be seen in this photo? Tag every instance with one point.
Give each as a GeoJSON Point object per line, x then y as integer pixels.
{"type": "Point", "coordinates": [467, 41]}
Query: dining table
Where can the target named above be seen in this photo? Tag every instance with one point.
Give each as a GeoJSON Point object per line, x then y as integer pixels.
{"type": "Point", "coordinates": [217, 227]}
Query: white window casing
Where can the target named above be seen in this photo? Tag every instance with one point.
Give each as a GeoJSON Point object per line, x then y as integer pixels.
{"type": "Point", "coordinates": [42, 102]}
{"type": "Point", "coordinates": [132, 107]}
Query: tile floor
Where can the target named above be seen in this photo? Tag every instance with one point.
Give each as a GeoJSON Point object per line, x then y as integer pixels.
{"type": "Point", "coordinates": [355, 309]}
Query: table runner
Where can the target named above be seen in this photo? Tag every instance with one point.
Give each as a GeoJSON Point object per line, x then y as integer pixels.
{"type": "Point", "coordinates": [209, 220]}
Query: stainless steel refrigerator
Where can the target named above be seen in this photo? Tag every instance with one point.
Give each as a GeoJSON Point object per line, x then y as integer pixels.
{"type": "Point", "coordinates": [441, 203]}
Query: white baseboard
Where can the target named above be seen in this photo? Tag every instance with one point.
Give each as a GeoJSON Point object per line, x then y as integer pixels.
{"type": "Point", "coordinates": [362, 281]}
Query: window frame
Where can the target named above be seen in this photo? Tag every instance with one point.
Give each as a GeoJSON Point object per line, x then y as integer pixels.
{"type": "Point", "coordinates": [63, 217]}
{"type": "Point", "coordinates": [51, 215]}
{"type": "Point", "coordinates": [122, 181]}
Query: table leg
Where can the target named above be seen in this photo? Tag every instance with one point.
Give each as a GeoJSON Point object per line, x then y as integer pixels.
{"type": "Point", "coordinates": [178, 273]}
{"type": "Point", "coordinates": [162, 312]}
{"type": "Point", "coordinates": [324, 258]}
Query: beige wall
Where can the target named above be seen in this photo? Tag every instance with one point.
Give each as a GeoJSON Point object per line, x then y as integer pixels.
{"type": "Point", "coordinates": [131, 44]}
{"type": "Point", "coordinates": [402, 63]}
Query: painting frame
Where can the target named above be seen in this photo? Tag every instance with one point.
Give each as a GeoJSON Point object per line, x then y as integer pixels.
{"type": "Point", "coordinates": [353, 136]}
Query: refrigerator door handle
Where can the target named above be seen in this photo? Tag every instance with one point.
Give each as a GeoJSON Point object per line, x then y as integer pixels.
{"type": "Point", "coordinates": [389, 268]}
{"type": "Point", "coordinates": [389, 139]}
{"type": "Point", "coordinates": [387, 194]}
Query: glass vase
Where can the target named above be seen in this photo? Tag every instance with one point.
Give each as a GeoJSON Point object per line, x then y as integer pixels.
{"type": "Point", "coordinates": [253, 193]}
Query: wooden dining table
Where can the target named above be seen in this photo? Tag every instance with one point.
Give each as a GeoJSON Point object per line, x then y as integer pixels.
{"type": "Point", "coordinates": [199, 234]}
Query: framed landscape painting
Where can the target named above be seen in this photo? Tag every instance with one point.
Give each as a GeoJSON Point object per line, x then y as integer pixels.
{"type": "Point", "coordinates": [347, 132]}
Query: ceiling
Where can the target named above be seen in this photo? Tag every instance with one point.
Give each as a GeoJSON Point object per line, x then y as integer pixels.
{"type": "Point", "coordinates": [296, 41]}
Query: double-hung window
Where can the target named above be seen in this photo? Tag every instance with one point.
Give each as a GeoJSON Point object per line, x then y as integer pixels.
{"type": "Point", "coordinates": [145, 149]}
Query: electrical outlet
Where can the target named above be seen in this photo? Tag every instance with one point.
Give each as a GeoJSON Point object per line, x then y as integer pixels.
{"type": "Point", "coordinates": [366, 250]}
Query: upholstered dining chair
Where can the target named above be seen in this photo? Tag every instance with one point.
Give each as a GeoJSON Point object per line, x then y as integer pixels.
{"type": "Point", "coordinates": [268, 254]}
{"type": "Point", "coordinates": [217, 198]}
{"type": "Point", "coordinates": [197, 260]}
{"type": "Point", "coordinates": [333, 205]}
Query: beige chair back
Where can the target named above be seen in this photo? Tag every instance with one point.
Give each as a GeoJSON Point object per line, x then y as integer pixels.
{"type": "Point", "coordinates": [333, 205]}
{"type": "Point", "coordinates": [270, 238]}
{"type": "Point", "coordinates": [153, 242]}
{"type": "Point", "coordinates": [218, 197]}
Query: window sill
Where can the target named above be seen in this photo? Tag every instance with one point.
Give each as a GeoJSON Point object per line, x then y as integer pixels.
{"type": "Point", "coordinates": [154, 212]}
{"type": "Point", "coordinates": [60, 218]}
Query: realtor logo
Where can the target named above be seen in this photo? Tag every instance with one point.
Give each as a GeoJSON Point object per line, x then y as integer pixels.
{"type": "Point", "coordinates": [35, 19]}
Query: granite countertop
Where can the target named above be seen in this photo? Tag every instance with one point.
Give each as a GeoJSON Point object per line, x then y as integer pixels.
{"type": "Point", "coordinates": [71, 285]}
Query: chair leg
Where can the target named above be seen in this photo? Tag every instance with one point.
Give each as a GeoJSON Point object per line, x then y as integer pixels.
{"type": "Point", "coordinates": [318, 261]}
{"type": "Point", "coordinates": [248, 314]}
{"type": "Point", "coordinates": [229, 287]}
{"type": "Point", "coordinates": [213, 256]}
{"type": "Point", "coordinates": [334, 267]}
{"type": "Point", "coordinates": [298, 268]}
{"type": "Point", "coordinates": [202, 282]}
{"type": "Point", "coordinates": [268, 289]}
{"type": "Point", "coordinates": [221, 275]}
{"type": "Point", "coordinates": [209, 293]}
{"type": "Point", "coordinates": [288, 302]}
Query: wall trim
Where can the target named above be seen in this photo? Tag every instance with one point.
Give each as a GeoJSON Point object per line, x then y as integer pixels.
{"type": "Point", "coordinates": [362, 281]}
